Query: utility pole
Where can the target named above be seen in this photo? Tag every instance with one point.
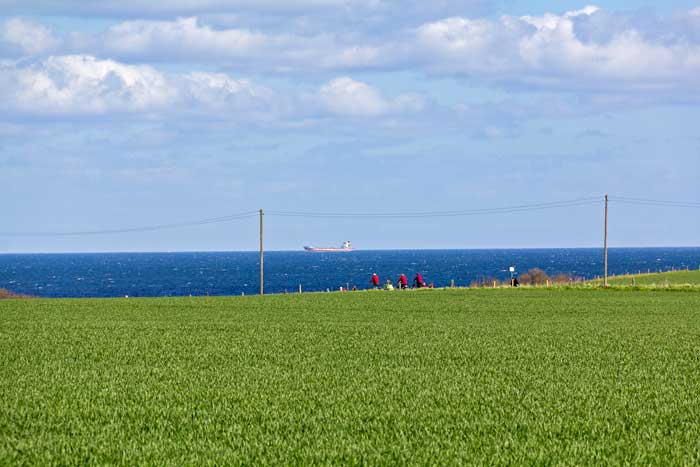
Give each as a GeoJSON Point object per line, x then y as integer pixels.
{"type": "Point", "coordinates": [262, 274]}
{"type": "Point", "coordinates": [605, 246]}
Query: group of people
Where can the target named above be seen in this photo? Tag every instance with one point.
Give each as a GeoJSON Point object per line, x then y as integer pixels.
{"type": "Point", "coordinates": [401, 283]}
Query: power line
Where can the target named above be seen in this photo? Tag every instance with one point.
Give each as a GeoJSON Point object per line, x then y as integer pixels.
{"type": "Point", "coordinates": [455, 213]}
{"type": "Point", "coordinates": [372, 215]}
{"type": "Point", "coordinates": [654, 202]}
{"type": "Point", "coordinates": [211, 220]}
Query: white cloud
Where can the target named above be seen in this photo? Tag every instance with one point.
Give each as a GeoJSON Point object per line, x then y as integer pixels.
{"type": "Point", "coordinates": [235, 99]}
{"type": "Point", "coordinates": [546, 50]}
{"type": "Point", "coordinates": [550, 21]}
{"type": "Point", "coordinates": [475, 47]}
{"type": "Point", "coordinates": [346, 96]}
{"type": "Point", "coordinates": [587, 49]}
{"type": "Point", "coordinates": [184, 37]}
{"type": "Point", "coordinates": [84, 85]}
{"type": "Point", "coordinates": [80, 84]}
{"type": "Point", "coordinates": [189, 40]}
{"type": "Point", "coordinates": [27, 38]}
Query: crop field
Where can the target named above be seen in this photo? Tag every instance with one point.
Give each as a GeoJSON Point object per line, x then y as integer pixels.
{"type": "Point", "coordinates": [432, 377]}
{"type": "Point", "coordinates": [658, 279]}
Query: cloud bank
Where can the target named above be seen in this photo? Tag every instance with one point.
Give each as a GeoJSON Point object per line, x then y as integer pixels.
{"type": "Point", "coordinates": [615, 59]}
{"type": "Point", "coordinates": [585, 49]}
{"type": "Point", "coordinates": [86, 85]}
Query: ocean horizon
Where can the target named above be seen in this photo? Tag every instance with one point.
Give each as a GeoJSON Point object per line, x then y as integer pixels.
{"type": "Point", "coordinates": [355, 250]}
{"type": "Point", "coordinates": [182, 273]}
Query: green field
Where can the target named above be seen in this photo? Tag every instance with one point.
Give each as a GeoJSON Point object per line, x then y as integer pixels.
{"type": "Point", "coordinates": [658, 279]}
{"type": "Point", "coordinates": [439, 377]}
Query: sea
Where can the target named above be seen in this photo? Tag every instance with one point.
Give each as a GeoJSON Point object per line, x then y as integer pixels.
{"type": "Point", "coordinates": [238, 273]}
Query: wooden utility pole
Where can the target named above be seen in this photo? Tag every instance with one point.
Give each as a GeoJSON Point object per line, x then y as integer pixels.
{"type": "Point", "coordinates": [262, 269]}
{"type": "Point", "coordinates": [605, 246]}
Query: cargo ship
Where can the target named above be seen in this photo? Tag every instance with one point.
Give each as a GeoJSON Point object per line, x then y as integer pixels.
{"type": "Point", "coordinates": [346, 247]}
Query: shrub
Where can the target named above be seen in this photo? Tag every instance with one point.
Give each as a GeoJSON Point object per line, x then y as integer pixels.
{"type": "Point", "coordinates": [535, 276]}
{"type": "Point", "coordinates": [4, 293]}
{"type": "Point", "coordinates": [562, 278]}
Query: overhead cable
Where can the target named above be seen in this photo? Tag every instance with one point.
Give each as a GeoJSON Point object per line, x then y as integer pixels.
{"type": "Point", "coordinates": [654, 202]}
{"type": "Point", "coordinates": [211, 220]}
{"type": "Point", "coordinates": [454, 213]}
{"type": "Point", "coordinates": [372, 215]}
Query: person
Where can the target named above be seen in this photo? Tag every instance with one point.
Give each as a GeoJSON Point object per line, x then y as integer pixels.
{"type": "Point", "coordinates": [418, 281]}
{"type": "Point", "coordinates": [403, 281]}
{"type": "Point", "coordinates": [374, 281]}
{"type": "Point", "coordinates": [388, 285]}
{"type": "Point", "coordinates": [515, 282]}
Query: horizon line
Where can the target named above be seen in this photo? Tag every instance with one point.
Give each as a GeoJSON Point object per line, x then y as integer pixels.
{"type": "Point", "coordinates": [354, 251]}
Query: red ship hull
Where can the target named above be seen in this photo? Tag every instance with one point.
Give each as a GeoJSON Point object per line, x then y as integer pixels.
{"type": "Point", "coordinates": [327, 250]}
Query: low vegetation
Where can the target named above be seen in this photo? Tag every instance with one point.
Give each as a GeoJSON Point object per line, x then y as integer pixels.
{"type": "Point", "coordinates": [533, 277]}
{"type": "Point", "coordinates": [478, 377]}
{"type": "Point", "coordinates": [4, 293]}
{"type": "Point", "coordinates": [661, 279]}
{"type": "Point", "coordinates": [671, 280]}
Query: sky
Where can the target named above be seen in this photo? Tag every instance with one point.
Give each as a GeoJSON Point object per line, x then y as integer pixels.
{"type": "Point", "coordinates": [127, 114]}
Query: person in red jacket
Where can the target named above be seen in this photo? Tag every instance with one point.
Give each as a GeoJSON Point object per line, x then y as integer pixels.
{"type": "Point", "coordinates": [374, 281]}
{"type": "Point", "coordinates": [418, 281]}
{"type": "Point", "coordinates": [403, 282]}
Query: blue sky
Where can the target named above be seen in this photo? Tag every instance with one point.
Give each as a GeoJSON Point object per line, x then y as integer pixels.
{"type": "Point", "coordinates": [116, 115]}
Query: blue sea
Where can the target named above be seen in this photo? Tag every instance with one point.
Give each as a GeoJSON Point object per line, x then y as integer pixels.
{"type": "Point", "coordinates": [237, 273]}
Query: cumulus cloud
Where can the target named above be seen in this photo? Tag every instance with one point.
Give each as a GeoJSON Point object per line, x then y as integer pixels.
{"type": "Point", "coordinates": [548, 51]}
{"type": "Point", "coordinates": [346, 96]}
{"type": "Point", "coordinates": [143, 38]}
{"type": "Point", "coordinates": [85, 85]}
{"type": "Point", "coordinates": [187, 39]}
{"type": "Point", "coordinates": [80, 84]}
{"type": "Point", "coordinates": [587, 49]}
{"type": "Point", "coordinates": [19, 37]}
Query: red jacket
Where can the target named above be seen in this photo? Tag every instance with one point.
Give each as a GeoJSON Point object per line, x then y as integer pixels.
{"type": "Point", "coordinates": [374, 280]}
{"type": "Point", "coordinates": [403, 280]}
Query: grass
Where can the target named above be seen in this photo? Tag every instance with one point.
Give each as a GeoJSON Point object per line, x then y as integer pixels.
{"type": "Point", "coordinates": [655, 279]}
{"type": "Point", "coordinates": [569, 377]}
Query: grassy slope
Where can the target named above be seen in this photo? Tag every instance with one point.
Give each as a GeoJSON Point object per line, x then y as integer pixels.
{"type": "Point", "coordinates": [662, 278]}
{"type": "Point", "coordinates": [442, 377]}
